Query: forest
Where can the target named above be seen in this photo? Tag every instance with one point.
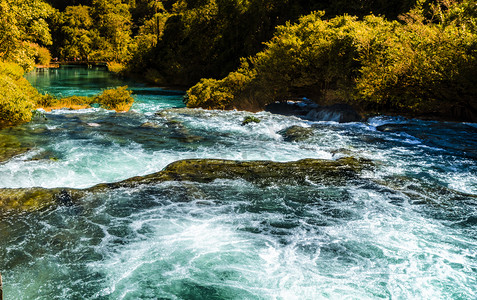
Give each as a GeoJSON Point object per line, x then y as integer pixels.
{"type": "Point", "coordinates": [406, 57]}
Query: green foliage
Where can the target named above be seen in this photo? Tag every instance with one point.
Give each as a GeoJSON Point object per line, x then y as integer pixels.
{"type": "Point", "coordinates": [186, 40]}
{"type": "Point", "coordinates": [113, 20]}
{"type": "Point", "coordinates": [118, 99]}
{"type": "Point", "coordinates": [416, 66]}
{"type": "Point", "coordinates": [46, 100]}
{"type": "Point", "coordinates": [190, 39]}
{"type": "Point", "coordinates": [422, 66]}
{"type": "Point", "coordinates": [77, 30]}
{"type": "Point", "coordinates": [101, 31]}
{"type": "Point", "coordinates": [11, 70]}
{"type": "Point", "coordinates": [17, 96]}
{"type": "Point", "coordinates": [115, 67]}
{"type": "Point", "coordinates": [41, 55]}
{"type": "Point", "coordinates": [220, 94]}
{"type": "Point", "coordinates": [21, 23]}
{"type": "Point", "coordinates": [49, 102]}
{"type": "Point", "coordinates": [78, 100]}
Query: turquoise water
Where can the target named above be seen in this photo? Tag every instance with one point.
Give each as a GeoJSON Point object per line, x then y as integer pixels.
{"type": "Point", "coordinates": [404, 230]}
{"type": "Point", "coordinates": [80, 81]}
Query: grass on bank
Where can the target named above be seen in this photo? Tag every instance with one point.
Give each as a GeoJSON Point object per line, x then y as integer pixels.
{"type": "Point", "coordinates": [118, 99]}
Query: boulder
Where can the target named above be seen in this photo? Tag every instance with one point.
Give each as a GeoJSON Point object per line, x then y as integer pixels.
{"type": "Point", "coordinates": [291, 108]}
{"type": "Point", "coordinates": [178, 130]}
{"type": "Point", "coordinates": [150, 125]}
{"type": "Point", "coordinates": [33, 199]}
{"type": "Point", "coordinates": [308, 110]}
{"type": "Point", "coordinates": [296, 133]}
{"type": "Point", "coordinates": [300, 172]}
{"type": "Point", "coordinates": [250, 119]}
{"type": "Point", "coordinates": [296, 172]}
{"type": "Point", "coordinates": [10, 147]}
{"type": "Point", "coordinates": [342, 113]}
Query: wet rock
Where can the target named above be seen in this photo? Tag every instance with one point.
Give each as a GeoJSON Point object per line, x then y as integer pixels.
{"type": "Point", "coordinates": [45, 155]}
{"type": "Point", "coordinates": [309, 110]}
{"type": "Point", "coordinates": [150, 125]}
{"type": "Point", "coordinates": [423, 192]}
{"type": "Point", "coordinates": [341, 113]}
{"type": "Point", "coordinates": [178, 130]}
{"type": "Point", "coordinates": [296, 133]}
{"type": "Point", "coordinates": [10, 147]}
{"type": "Point", "coordinates": [291, 108]}
{"type": "Point", "coordinates": [33, 199]}
{"type": "Point", "coordinates": [342, 151]}
{"type": "Point", "coordinates": [187, 112]}
{"type": "Point", "coordinates": [301, 172]}
{"type": "Point", "coordinates": [298, 172]}
{"type": "Point", "coordinates": [181, 133]}
{"type": "Point", "coordinates": [391, 127]}
{"type": "Point", "coordinates": [250, 119]}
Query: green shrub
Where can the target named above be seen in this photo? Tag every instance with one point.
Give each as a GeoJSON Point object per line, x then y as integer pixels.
{"type": "Point", "coordinates": [46, 100]}
{"type": "Point", "coordinates": [17, 96]}
{"type": "Point", "coordinates": [412, 66]}
{"type": "Point", "coordinates": [220, 94]}
{"type": "Point", "coordinates": [116, 67]}
{"type": "Point", "coordinates": [422, 67]}
{"type": "Point", "coordinates": [11, 70]}
{"type": "Point", "coordinates": [118, 99]}
{"type": "Point", "coordinates": [78, 100]}
{"type": "Point", "coordinates": [43, 56]}
{"type": "Point", "coordinates": [49, 102]}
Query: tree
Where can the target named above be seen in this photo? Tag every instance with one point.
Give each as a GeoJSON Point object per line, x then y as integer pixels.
{"type": "Point", "coordinates": [23, 22]}
{"type": "Point", "coordinates": [76, 26]}
{"type": "Point", "coordinates": [113, 21]}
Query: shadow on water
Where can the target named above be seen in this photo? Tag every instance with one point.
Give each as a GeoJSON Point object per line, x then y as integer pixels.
{"type": "Point", "coordinates": [459, 138]}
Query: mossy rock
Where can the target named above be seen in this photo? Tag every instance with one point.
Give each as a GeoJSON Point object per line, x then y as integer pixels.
{"type": "Point", "coordinates": [150, 125]}
{"type": "Point", "coordinates": [33, 199]}
{"type": "Point", "coordinates": [10, 147]}
{"type": "Point", "coordinates": [296, 133]}
{"type": "Point", "coordinates": [180, 132]}
{"type": "Point", "coordinates": [45, 155]}
{"type": "Point", "coordinates": [250, 120]}
{"type": "Point", "coordinates": [262, 172]}
{"type": "Point", "coordinates": [300, 172]}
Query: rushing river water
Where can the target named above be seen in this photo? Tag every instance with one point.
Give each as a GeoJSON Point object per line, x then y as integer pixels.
{"type": "Point", "coordinates": [406, 229]}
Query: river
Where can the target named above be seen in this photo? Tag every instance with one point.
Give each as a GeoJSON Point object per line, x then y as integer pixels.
{"type": "Point", "coordinates": [407, 229]}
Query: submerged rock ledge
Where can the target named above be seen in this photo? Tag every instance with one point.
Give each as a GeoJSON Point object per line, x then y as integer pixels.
{"type": "Point", "coordinates": [196, 170]}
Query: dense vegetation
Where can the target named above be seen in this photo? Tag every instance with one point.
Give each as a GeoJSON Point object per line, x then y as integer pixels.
{"type": "Point", "coordinates": [25, 34]}
{"type": "Point", "coordinates": [182, 41]}
{"type": "Point", "coordinates": [17, 96]}
{"type": "Point", "coordinates": [413, 55]}
{"type": "Point", "coordinates": [118, 99]}
{"type": "Point", "coordinates": [419, 65]}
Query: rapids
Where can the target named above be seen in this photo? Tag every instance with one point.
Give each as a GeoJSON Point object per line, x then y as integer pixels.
{"type": "Point", "coordinates": [405, 230]}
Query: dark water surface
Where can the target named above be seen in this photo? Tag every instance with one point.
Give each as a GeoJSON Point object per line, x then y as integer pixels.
{"type": "Point", "coordinates": [405, 230]}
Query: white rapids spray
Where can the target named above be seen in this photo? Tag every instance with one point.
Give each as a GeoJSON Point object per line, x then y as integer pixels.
{"type": "Point", "coordinates": [404, 230]}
